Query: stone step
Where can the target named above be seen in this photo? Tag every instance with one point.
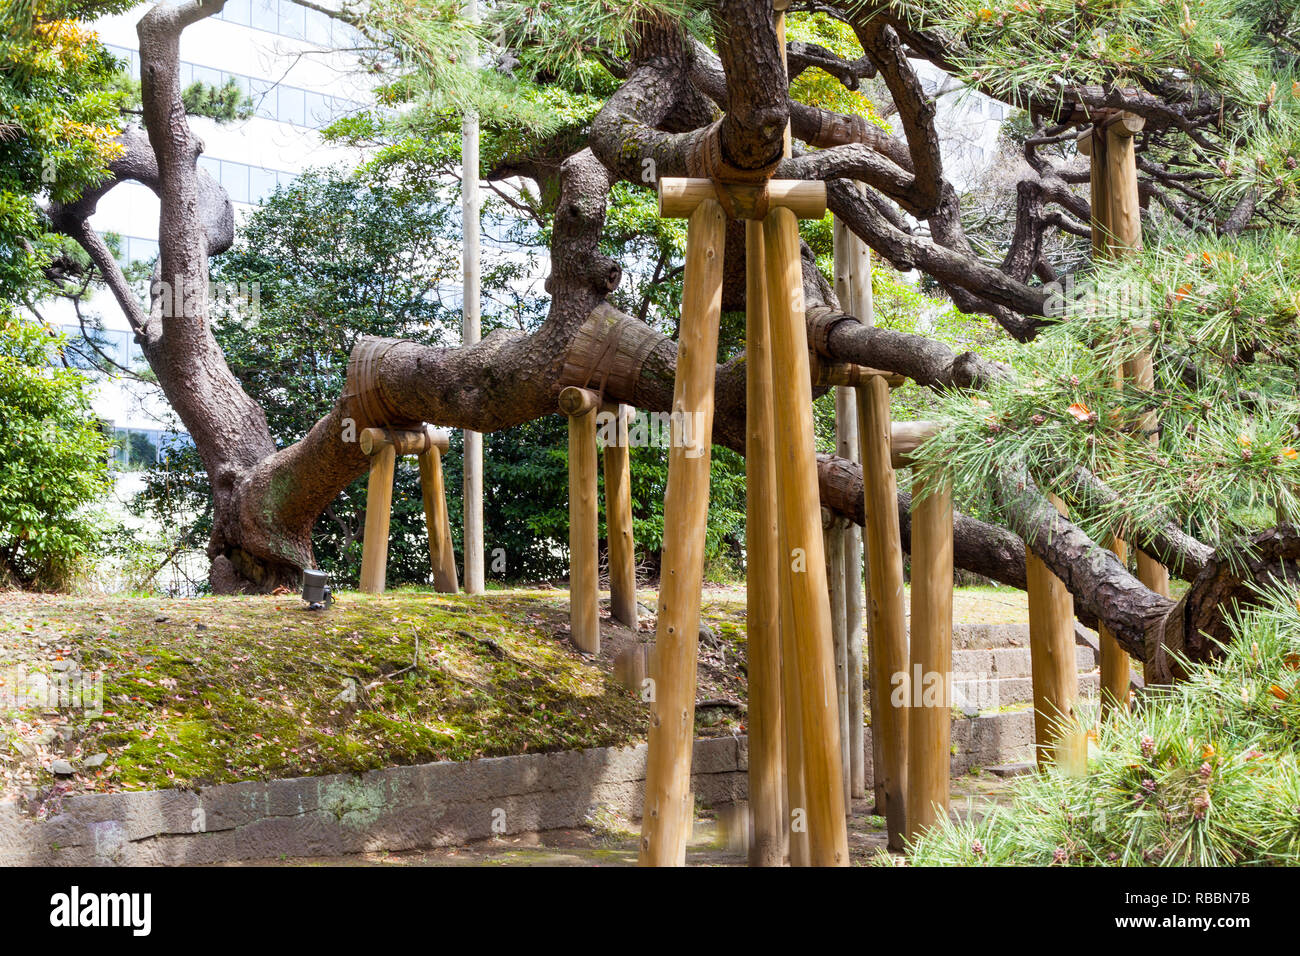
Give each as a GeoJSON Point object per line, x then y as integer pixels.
{"type": "Point", "coordinates": [984, 741]}
{"type": "Point", "coordinates": [987, 695]}
{"type": "Point", "coordinates": [1002, 662]}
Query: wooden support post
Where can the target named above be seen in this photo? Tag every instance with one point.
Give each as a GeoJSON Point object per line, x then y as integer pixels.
{"type": "Point", "coordinates": [762, 581]}
{"type": "Point", "coordinates": [1116, 677]}
{"type": "Point", "coordinates": [1114, 660]}
{"type": "Point", "coordinates": [666, 818]}
{"type": "Point", "coordinates": [1052, 664]}
{"type": "Point", "coordinates": [929, 721]}
{"type": "Point", "coordinates": [853, 288]}
{"type": "Point", "coordinates": [799, 513]}
{"type": "Point", "coordinates": [889, 655]}
{"type": "Point", "coordinates": [1126, 225]}
{"type": "Point", "coordinates": [379, 505]}
{"type": "Point", "coordinates": [833, 542]}
{"type": "Point", "coordinates": [436, 519]}
{"type": "Point", "coordinates": [796, 800]}
{"type": "Point", "coordinates": [580, 405]}
{"type": "Point", "coordinates": [618, 522]}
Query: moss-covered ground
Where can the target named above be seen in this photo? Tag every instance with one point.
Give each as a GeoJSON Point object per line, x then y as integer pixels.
{"type": "Point", "coordinates": [142, 693]}
{"type": "Point", "coordinates": [213, 690]}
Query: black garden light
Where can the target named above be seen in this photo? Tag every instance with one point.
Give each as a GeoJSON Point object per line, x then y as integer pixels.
{"type": "Point", "coordinates": [316, 590]}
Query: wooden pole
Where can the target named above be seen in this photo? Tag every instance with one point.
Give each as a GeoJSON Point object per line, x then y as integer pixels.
{"type": "Point", "coordinates": [436, 520]}
{"type": "Point", "coordinates": [853, 288]}
{"type": "Point", "coordinates": [806, 198]}
{"type": "Point", "coordinates": [889, 654]}
{"type": "Point", "coordinates": [833, 542]}
{"type": "Point", "coordinates": [1052, 664]}
{"type": "Point", "coordinates": [929, 720]}
{"type": "Point", "coordinates": [471, 332]}
{"type": "Point", "coordinates": [580, 405]}
{"type": "Point", "coordinates": [800, 513]}
{"type": "Point", "coordinates": [1114, 662]}
{"type": "Point", "coordinates": [666, 819]}
{"type": "Point", "coordinates": [1115, 665]}
{"type": "Point", "coordinates": [762, 580]}
{"type": "Point", "coordinates": [796, 800]}
{"type": "Point", "coordinates": [1126, 225]}
{"type": "Point", "coordinates": [618, 523]}
{"type": "Point", "coordinates": [379, 505]}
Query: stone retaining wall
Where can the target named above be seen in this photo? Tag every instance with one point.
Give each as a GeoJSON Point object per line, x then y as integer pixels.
{"type": "Point", "coordinates": [401, 808]}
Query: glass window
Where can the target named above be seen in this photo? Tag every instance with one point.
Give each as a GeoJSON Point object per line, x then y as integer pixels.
{"type": "Point", "coordinates": [284, 180]}
{"type": "Point", "coordinates": [261, 183]}
{"type": "Point", "coordinates": [318, 109]}
{"type": "Point", "coordinates": [206, 74]}
{"type": "Point", "coordinates": [292, 106]}
{"type": "Point", "coordinates": [141, 250]}
{"type": "Point", "coordinates": [76, 350]}
{"type": "Point", "coordinates": [213, 166]}
{"type": "Point", "coordinates": [344, 35]}
{"type": "Point", "coordinates": [318, 28]}
{"type": "Point", "coordinates": [293, 20]}
{"type": "Point", "coordinates": [262, 93]}
{"type": "Point", "coordinates": [238, 11]}
{"type": "Point", "coordinates": [187, 74]}
{"type": "Point", "coordinates": [234, 179]}
{"type": "Point", "coordinates": [263, 15]}
{"type": "Point", "coordinates": [174, 442]}
{"type": "Point", "coordinates": [117, 346]}
{"type": "Point", "coordinates": [136, 448]}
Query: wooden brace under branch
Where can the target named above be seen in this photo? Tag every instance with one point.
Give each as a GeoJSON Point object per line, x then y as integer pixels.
{"type": "Point", "coordinates": [805, 198]}
{"type": "Point", "coordinates": [579, 404]}
{"type": "Point", "coordinates": [383, 446]}
{"type": "Point", "coordinates": [575, 401]}
{"type": "Point", "coordinates": [405, 441]}
{"type": "Point", "coordinates": [1119, 123]}
{"type": "Point", "coordinates": [847, 373]}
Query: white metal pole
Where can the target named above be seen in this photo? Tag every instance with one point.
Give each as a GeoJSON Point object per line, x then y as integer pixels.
{"type": "Point", "coordinates": [471, 333]}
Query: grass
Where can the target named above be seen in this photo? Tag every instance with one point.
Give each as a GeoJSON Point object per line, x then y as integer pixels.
{"type": "Point", "coordinates": [215, 690]}
{"type": "Point", "coordinates": [220, 689]}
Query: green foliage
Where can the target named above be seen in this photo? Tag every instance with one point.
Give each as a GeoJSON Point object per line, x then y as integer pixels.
{"type": "Point", "coordinates": [438, 67]}
{"type": "Point", "coordinates": [1238, 56]}
{"type": "Point", "coordinates": [819, 87]}
{"type": "Point", "coordinates": [324, 261]}
{"type": "Point", "coordinates": [223, 103]}
{"type": "Point", "coordinates": [562, 40]}
{"type": "Point", "coordinates": [58, 117]}
{"type": "Point", "coordinates": [53, 462]}
{"type": "Point", "coordinates": [1226, 462]}
{"type": "Point", "coordinates": [1204, 773]}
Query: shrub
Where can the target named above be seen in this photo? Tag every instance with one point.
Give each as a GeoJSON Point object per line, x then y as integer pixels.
{"type": "Point", "coordinates": [1204, 774]}
{"type": "Point", "coordinates": [53, 460]}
